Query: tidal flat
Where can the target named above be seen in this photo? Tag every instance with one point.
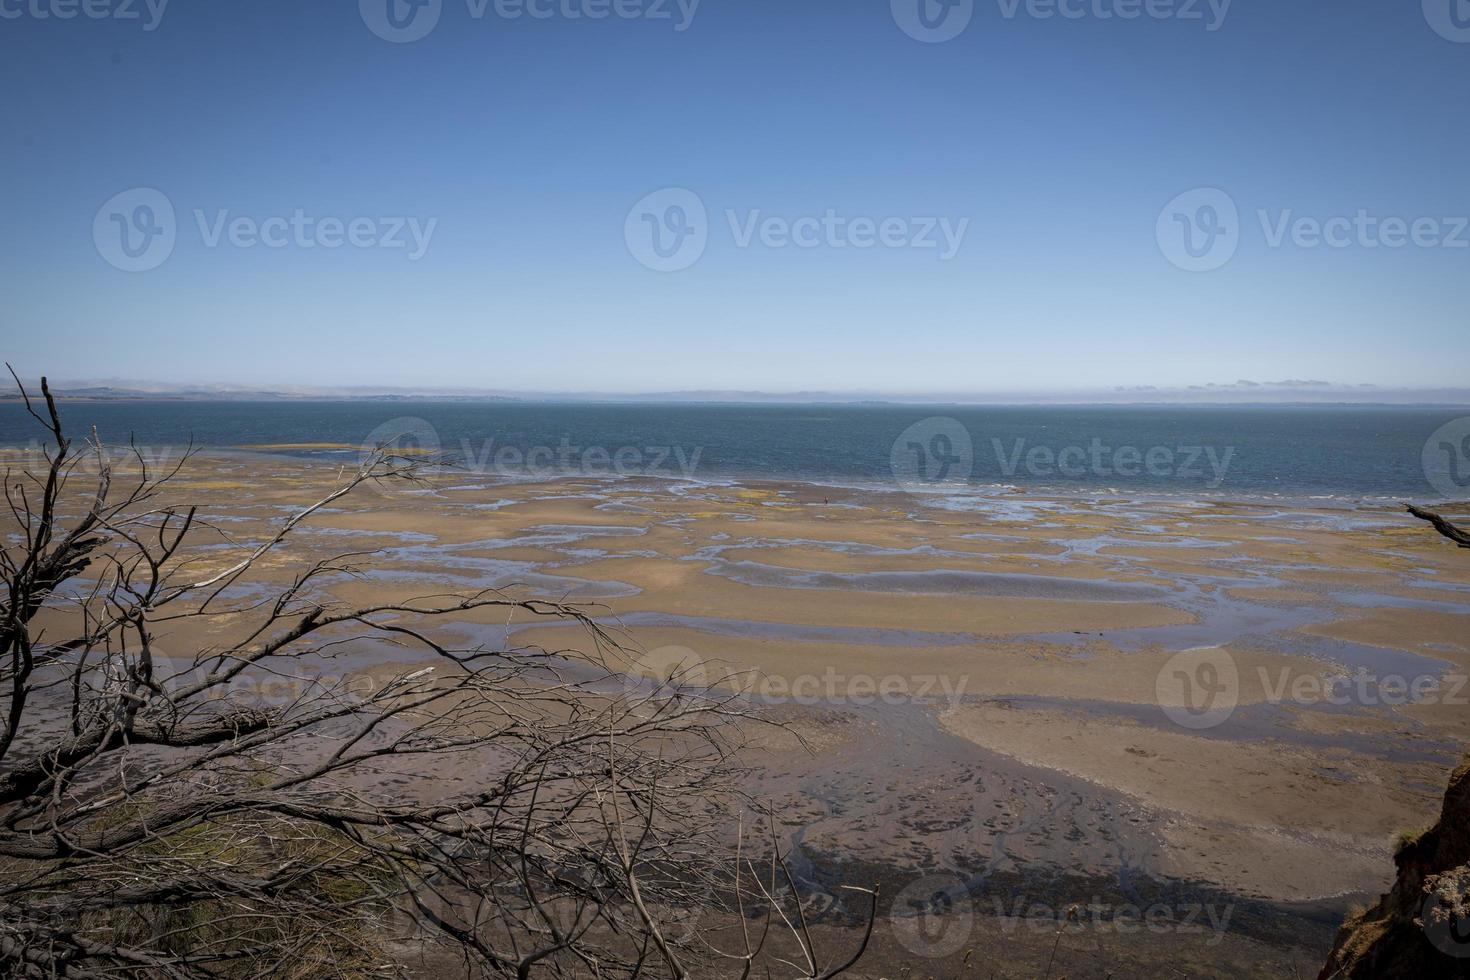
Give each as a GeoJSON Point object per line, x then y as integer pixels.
{"type": "Point", "coordinates": [993, 707]}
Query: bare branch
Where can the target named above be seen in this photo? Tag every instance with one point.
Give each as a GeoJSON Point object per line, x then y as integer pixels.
{"type": "Point", "coordinates": [1443, 526]}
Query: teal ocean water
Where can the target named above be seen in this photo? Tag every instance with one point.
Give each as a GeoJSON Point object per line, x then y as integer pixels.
{"type": "Point", "coordinates": [1352, 452]}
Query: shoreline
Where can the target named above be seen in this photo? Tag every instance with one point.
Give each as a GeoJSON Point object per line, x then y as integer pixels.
{"type": "Point", "coordinates": [336, 455]}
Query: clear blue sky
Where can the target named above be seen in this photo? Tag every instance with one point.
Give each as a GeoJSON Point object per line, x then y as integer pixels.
{"type": "Point", "coordinates": [529, 141]}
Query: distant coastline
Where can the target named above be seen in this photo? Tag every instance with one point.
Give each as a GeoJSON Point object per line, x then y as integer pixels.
{"type": "Point", "coordinates": [1215, 396]}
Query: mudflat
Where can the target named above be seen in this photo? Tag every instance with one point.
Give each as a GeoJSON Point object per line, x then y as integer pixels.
{"type": "Point", "coordinates": [1221, 711]}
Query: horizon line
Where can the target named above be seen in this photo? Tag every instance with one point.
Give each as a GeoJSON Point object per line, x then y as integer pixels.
{"type": "Point", "coordinates": [1242, 393]}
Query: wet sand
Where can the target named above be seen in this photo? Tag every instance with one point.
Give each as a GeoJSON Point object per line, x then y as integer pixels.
{"type": "Point", "coordinates": [989, 686]}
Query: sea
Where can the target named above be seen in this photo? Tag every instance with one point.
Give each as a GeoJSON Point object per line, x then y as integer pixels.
{"type": "Point", "coordinates": [1317, 452]}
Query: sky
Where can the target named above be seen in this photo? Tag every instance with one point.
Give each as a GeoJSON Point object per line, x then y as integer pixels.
{"type": "Point", "coordinates": [773, 195]}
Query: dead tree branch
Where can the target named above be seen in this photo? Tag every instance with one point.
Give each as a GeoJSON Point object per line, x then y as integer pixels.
{"type": "Point", "coordinates": [181, 799]}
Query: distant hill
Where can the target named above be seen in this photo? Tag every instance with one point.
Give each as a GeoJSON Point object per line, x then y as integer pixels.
{"type": "Point", "coordinates": [230, 393]}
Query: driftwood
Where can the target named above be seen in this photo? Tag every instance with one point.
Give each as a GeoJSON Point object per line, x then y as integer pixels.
{"type": "Point", "coordinates": [1456, 534]}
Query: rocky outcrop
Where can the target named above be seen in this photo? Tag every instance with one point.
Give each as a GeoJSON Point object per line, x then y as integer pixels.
{"type": "Point", "coordinates": [1421, 928]}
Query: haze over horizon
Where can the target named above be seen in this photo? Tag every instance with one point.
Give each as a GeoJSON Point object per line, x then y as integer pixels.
{"type": "Point", "coordinates": [1242, 392]}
